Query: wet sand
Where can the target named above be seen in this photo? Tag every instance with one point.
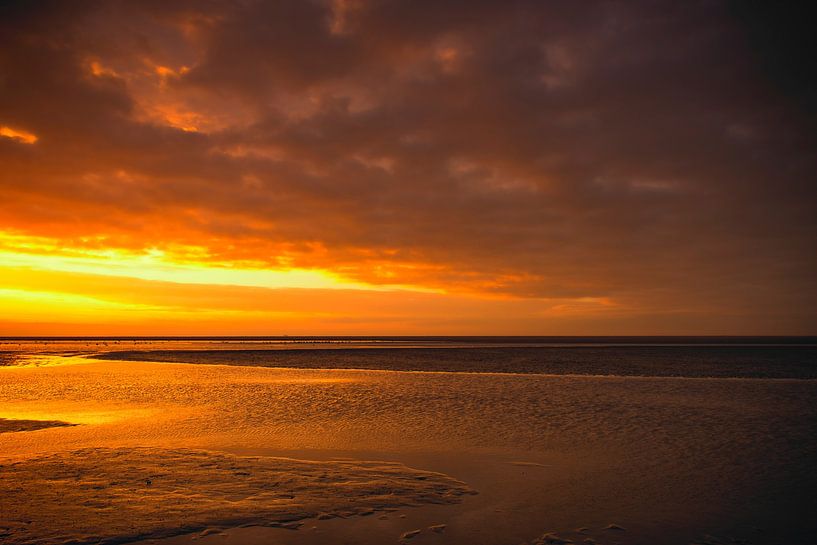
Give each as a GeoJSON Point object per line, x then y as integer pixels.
{"type": "Point", "coordinates": [125, 494]}
{"type": "Point", "coordinates": [669, 460]}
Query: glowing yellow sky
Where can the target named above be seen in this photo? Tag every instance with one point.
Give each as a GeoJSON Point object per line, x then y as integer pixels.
{"type": "Point", "coordinates": [48, 289]}
{"type": "Point", "coordinates": [22, 252]}
{"type": "Point", "coordinates": [42, 280]}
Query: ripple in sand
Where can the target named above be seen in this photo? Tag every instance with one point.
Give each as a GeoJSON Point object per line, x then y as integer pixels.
{"type": "Point", "coordinates": [94, 495]}
{"type": "Point", "coordinates": [551, 539]}
{"type": "Point", "coordinates": [527, 464]}
{"type": "Point", "coordinates": [411, 534]}
{"type": "Point", "coordinates": [713, 540]}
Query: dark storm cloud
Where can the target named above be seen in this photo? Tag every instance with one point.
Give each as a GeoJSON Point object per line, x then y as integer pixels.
{"type": "Point", "coordinates": [636, 151]}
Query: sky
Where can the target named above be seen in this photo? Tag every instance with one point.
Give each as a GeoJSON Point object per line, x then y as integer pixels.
{"type": "Point", "coordinates": [387, 167]}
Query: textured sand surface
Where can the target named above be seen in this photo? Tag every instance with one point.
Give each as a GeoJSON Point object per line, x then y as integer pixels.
{"type": "Point", "coordinates": [670, 459]}
{"type": "Point", "coordinates": [118, 495]}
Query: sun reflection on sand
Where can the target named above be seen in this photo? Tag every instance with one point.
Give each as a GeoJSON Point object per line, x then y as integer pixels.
{"type": "Point", "coordinates": [143, 401]}
{"type": "Point", "coordinates": [48, 360]}
{"type": "Point", "coordinates": [74, 413]}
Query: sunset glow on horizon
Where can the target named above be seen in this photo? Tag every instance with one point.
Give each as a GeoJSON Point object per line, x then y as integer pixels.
{"type": "Point", "coordinates": [104, 290]}
{"type": "Point", "coordinates": [335, 167]}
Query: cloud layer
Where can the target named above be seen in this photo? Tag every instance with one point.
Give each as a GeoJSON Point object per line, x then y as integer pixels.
{"type": "Point", "coordinates": [630, 152]}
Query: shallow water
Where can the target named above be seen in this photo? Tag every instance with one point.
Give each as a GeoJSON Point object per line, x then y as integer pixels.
{"type": "Point", "coordinates": [720, 361]}
{"type": "Point", "coordinates": [724, 357]}
{"type": "Point", "coordinates": [670, 459]}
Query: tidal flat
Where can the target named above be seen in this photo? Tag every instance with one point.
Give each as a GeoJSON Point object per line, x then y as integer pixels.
{"type": "Point", "coordinates": [161, 452]}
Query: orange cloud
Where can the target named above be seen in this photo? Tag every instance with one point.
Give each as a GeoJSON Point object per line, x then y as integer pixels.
{"type": "Point", "coordinates": [16, 134]}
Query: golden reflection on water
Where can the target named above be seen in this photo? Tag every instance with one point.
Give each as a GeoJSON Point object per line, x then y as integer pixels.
{"type": "Point", "coordinates": [48, 360]}
{"type": "Point", "coordinates": [157, 404]}
{"type": "Point", "coordinates": [73, 413]}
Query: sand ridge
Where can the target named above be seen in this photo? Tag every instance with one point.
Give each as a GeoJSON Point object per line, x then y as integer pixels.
{"type": "Point", "coordinates": [8, 425]}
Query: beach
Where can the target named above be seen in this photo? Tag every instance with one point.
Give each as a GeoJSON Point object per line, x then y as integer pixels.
{"type": "Point", "coordinates": [166, 452]}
